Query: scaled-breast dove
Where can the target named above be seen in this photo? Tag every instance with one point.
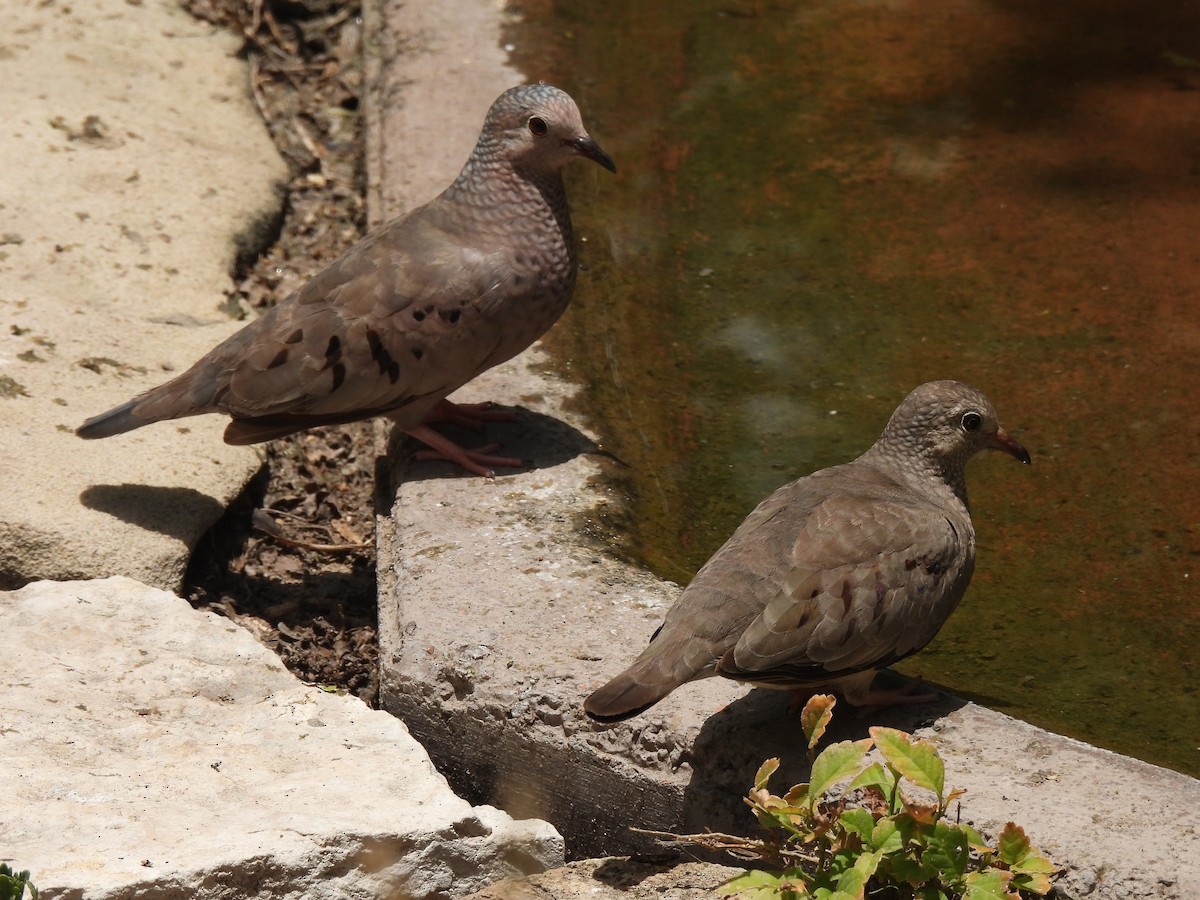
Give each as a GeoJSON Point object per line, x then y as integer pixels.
{"type": "Point", "coordinates": [414, 310]}
{"type": "Point", "coordinates": [835, 575]}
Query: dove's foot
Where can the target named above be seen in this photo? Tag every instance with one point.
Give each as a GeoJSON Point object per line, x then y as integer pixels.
{"type": "Point", "coordinates": [911, 694]}
{"type": "Point", "coordinates": [864, 699]}
{"type": "Point", "coordinates": [470, 415]}
{"type": "Point", "coordinates": [479, 461]}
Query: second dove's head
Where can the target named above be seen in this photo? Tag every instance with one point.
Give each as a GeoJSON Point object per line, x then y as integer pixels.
{"type": "Point", "coordinates": [948, 422]}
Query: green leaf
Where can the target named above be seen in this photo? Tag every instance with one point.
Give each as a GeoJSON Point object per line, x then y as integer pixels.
{"type": "Point", "coordinates": [976, 839]}
{"type": "Point", "coordinates": [918, 760]}
{"type": "Point", "coordinates": [859, 821]}
{"type": "Point", "coordinates": [875, 775]}
{"type": "Point", "coordinates": [949, 852]}
{"type": "Point", "coordinates": [818, 712]}
{"type": "Point", "coordinates": [753, 884]}
{"type": "Point", "coordinates": [1035, 864]}
{"type": "Point", "coordinates": [1019, 854]}
{"type": "Point", "coordinates": [833, 764]}
{"type": "Point", "coordinates": [765, 771]}
{"type": "Point", "coordinates": [887, 837]}
{"type": "Point", "coordinates": [13, 884]}
{"type": "Point", "coordinates": [1014, 844]}
{"type": "Point", "coordinates": [1035, 884]}
{"type": "Point", "coordinates": [990, 884]}
{"type": "Point", "coordinates": [852, 884]}
{"type": "Point", "coordinates": [906, 869]}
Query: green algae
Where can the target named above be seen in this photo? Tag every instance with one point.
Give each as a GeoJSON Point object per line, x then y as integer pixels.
{"type": "Point", "coordinates": [820, 206]}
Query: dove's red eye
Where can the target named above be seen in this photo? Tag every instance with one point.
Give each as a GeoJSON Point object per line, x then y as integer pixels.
{"type": "Point", "coordinates": [537, 126]}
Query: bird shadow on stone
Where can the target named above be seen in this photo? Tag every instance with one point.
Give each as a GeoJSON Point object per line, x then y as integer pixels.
{"type": "Point", "coordinates": [734, 742]}
{"type": "Point", "coordinates": [625, 873]}
{"type": "Point", "coordinates": [543, 440]}
{"type": "Point", "coordinates": [178, 512]}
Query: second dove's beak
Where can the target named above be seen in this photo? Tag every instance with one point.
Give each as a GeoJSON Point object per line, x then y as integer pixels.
{"type": "Point", "coordinates": [1001, 441]}
{"type": "Point", "coordinates": [585, 146]}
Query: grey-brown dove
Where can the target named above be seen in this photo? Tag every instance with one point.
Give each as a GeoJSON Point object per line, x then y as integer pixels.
{"type": "Point", "coordinates": [414, 310]}
{"type": "Point", "coordinates": [835, 575]}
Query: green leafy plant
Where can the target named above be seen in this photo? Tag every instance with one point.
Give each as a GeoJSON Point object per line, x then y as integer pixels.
{"type": "Point", "coordinates": [875, 830]}
{"type": "Point", "coordinates": [13, 884]}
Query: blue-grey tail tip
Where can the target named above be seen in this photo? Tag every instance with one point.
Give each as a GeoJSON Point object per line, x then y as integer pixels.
{"type": "Point", "coordinates": [117, 420]}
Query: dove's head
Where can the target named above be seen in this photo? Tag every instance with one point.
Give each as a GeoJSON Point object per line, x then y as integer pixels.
{"type": "Point", "coordinates": [940, 426]}
{"type": "Point", "coordinates": [538, 129]}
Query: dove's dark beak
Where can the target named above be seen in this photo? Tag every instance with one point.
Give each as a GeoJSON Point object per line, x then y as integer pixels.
{"type": "Point", "coordinates": [1001, 441]}
{"type": "Point", "coordinates": [586, 147]}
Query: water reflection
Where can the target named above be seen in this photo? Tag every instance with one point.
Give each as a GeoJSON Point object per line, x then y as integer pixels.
{"type": "Point", "coordinates": [822, 205]}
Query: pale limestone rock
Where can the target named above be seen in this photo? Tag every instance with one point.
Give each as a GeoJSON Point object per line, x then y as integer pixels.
{"type": "Point", "coordinates": [157, 751]}
{"type": "Point", "coordinates": [143, 168]}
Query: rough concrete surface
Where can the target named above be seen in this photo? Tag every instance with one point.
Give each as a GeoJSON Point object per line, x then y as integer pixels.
{"type": "Point", "coordinates": [137, 169]}
{"type": "Point", "coordinates": [614, 879]}
{"type": "Point", "coordinates": [152, 750]}
{"type": "Point", "coordinates": [498, 614]}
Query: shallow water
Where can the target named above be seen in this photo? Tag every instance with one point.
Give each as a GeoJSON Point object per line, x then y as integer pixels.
{"type": "Point", "coordinates": [821, 205]}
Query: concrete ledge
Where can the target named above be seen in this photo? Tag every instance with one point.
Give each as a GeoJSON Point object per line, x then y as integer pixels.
{"type": "Point", "coordinates": [154, 751]}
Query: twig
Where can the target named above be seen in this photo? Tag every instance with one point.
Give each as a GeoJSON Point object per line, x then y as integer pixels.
{"type": "Point", "coordinates": [735, 845]}
{"type": "Point", "coordinates": [261, 520]}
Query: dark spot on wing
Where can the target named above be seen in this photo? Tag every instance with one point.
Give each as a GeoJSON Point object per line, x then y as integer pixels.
{"type": "Point", "coordinates": [333, 352]}
{"type": "Point", "coordinates": [935, 567]}
{"type": "Point", "coordinates": [383, 359]}
{"type": "Point", "coordinates": [847, 596]}
{"type": "Point", "coordinates": [339, 375]}
{"type": "Point", "coordinates": [417, 352]}
{"type": "Point", "coordinates": [418, 315]}
{"type": "Point", "coordinates": [295, 337]}
{"type": "Point", "coordinates": [280, 358]}
{"type": "Point", "coordinates": [375, 343]}
{"type": "Point", "coordinates": [453, 316]}
{"type": "Point", "coordinates": [909, 565]}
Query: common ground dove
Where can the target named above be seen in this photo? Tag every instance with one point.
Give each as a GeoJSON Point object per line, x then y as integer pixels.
{"type": "Point", "coordinates": [835, 575]}
{"type": "Point", "coordinates": [413, 311]}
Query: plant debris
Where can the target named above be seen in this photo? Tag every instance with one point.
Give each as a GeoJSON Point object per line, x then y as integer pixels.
{"type": "Point", "coordinates": [293, 559]}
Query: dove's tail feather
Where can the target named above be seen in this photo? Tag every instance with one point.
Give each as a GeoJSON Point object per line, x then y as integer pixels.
{"type": "Point", "coordinates": [117, 420]}
{"type": "Point", "coordinates": [669, 661]}
{"type": "Point", "coordinates": [624, 697]}
{"type": "Point", "coordinates": [180, 397]}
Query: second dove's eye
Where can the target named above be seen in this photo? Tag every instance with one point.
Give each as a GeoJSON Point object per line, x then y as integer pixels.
{"type": "Point", "coordinates": [971, 421]}
{"type": "Point", "coordinates": [537, 126]}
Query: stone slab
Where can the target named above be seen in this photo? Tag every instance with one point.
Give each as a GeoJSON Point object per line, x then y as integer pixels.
{"type": "Point", "coordinates": [144, 169]}
{"type": "Point", "coordinates": [615, 879]}
{"type": "Point", "coordinates": [155, 751]}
